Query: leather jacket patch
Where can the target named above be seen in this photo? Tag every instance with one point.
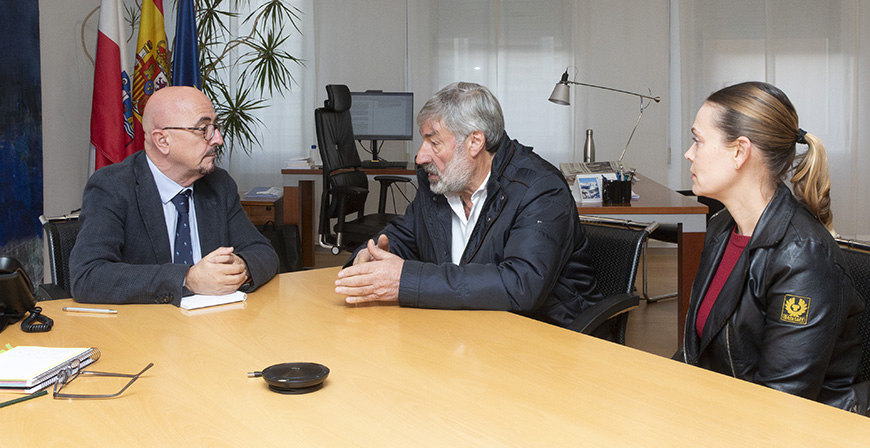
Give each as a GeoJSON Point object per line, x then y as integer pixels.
{"type": "Point", "coordinates": [795, 309]}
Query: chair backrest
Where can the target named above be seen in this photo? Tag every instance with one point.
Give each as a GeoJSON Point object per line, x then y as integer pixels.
{"type": "Point", "coordinates": [338, 151]}
{"type": "Point", "coordinates": [335, 130]}
{"type": "Point", "coordinates": [857, 256]}
{"type": "Point", "coordinates": [616, 248]}
{"type": "Point", "coordinates": [61, 239]}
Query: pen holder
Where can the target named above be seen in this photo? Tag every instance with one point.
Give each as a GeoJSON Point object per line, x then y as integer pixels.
{"type": "Point", "coordinates": [616, 191]}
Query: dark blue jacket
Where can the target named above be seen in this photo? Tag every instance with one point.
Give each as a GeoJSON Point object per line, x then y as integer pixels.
{"type": "Point", "coordinates": [526, 253]}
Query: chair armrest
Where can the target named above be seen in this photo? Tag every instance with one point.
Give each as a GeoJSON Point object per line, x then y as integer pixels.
{"type": "Point", "coordinates": [591, 318]}
{"type": "Point", "coordinates": [341, 193]}
{"type": "Point", "coordinates": [50, 291]}
{"type": "Point", "coordinates": [346, 190]}
{"type": "Point", "coordinates": [386, 182]}
{"type": "Point", "coordinates": [389, 180]}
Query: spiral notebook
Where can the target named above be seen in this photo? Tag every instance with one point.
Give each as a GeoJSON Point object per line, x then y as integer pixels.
{"type": "Point", "coordinates": [28, 369]}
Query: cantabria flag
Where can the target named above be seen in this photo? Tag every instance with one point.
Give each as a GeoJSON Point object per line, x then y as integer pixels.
{"type": "Point", "coordinates": [112, 109]}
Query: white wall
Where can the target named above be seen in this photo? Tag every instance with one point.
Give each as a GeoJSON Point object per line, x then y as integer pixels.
{"type": "Point", "coordinates": [623, 44]}
{"type": "Point", "coordinates": [67, 83]}
{"type": "Point", "coordinates": [363, 45]}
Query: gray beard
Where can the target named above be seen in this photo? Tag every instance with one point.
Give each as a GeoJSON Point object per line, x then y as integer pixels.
{"type": "Point", "coordinates": [207, 169]}
{"type": "Point", "coordinates": [204, 169]}
{"type": "Point", "coordinates": [457, 173]}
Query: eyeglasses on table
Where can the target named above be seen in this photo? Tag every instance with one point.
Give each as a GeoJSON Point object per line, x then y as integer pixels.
{"type": "Point", "coordinates": [73, 371]}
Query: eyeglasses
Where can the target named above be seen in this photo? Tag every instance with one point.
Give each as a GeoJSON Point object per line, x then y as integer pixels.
{"type": "Point", "coordinates": [207, 130]}
{"type": "Point", "coordinates": [72, 371]}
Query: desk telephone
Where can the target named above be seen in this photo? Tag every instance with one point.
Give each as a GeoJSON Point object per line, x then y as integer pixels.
{"type": "Point", "coordinates": [16, 299]}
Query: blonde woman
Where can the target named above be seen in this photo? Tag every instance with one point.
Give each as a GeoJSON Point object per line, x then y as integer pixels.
{"type": "Point", "coordinates": [771, 302]}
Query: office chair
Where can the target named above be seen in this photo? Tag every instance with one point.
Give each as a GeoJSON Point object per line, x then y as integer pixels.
{"type": "Point", "coordinates": [345, 185]}
{"type": "Point", "coordinates": [669, 233]}
{"type": "Point", "coordinates": [857, 254]}
{"type": "Point", "coordinates": [616, 247]}
{"type": "Point", "coordinates": [60, 234]}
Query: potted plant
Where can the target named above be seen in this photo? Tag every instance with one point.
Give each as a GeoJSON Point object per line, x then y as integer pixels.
{"type": "Point", "coordinates": [238, 71]}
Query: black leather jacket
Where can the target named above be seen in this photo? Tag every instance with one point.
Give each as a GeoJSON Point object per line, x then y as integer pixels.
{"type": "Point", "coordinates": [527, 253]}
{"type": "Point", "coordinates": [787, 317]}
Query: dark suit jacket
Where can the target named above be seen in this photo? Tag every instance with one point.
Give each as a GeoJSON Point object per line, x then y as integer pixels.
{"type": "Point", "coordinates": [122, 251]}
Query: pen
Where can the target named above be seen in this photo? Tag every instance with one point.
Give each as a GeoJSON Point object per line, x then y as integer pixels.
{"type": "Point", "coordinates": [19, 400]}
{"type": "Point", "coordinates": [90, 310]}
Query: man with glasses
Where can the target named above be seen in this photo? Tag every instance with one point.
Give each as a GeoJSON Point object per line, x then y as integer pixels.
{"type": "Point", "coordinates": [166, 222]}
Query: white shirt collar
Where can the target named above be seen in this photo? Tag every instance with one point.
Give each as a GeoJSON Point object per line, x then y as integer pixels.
{"type": "Point", "coordinates": [166, 187]}
{"type": "Point", "coordinates": [461, 226]}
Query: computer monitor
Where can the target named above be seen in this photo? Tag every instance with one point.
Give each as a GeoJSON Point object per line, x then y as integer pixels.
{"type": "Point", "coordinates": [378, 115]}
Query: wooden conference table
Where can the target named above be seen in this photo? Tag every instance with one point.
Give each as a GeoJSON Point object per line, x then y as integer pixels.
{"type": "Point", "coordinates": [399, 377]}
{"type": "Point", "coordinates": [659, 203]}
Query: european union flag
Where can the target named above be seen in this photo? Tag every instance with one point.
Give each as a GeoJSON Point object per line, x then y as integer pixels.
{"type": "Point", "coordinates": [185, 55]}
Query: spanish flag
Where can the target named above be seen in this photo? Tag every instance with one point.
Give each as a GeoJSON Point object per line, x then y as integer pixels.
{"type": "Point", "coordinates": [152, 61]}
{"type": "Point", "coordinates": [112, 110]}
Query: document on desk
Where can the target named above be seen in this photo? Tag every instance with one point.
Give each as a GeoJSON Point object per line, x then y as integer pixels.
{"type": "Point", "coordinates": [197, 301]}
{"type": "Point", "coordinates": [264, 193]}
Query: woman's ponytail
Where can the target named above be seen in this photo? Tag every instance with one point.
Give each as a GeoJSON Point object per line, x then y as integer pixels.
{"type": "Point", "coordinates": [812, 181]}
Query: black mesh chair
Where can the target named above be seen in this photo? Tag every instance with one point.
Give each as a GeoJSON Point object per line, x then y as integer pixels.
{"type": "Point", "coordinates": [616, 248]}
{"type": "Point", "coordinates": [60, 234]}
{"type": "Point", "coordinates": [857, 255]}
{"type": "Point", "coordinates": [345, 185]}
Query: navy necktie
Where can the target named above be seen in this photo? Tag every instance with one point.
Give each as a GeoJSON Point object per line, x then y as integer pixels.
{"type": "Point", "coordinates": [183, 248]}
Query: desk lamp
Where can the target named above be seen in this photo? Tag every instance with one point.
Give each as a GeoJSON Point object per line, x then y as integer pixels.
{"type": "Point", "coordinates": [561, 95]}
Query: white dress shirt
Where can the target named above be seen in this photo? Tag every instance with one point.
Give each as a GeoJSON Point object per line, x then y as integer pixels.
{"type": "Point", "coordinates": [462, 226]}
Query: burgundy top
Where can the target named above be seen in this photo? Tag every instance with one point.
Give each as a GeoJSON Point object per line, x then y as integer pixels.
{"type": "Point", "coordinates": [736, 244]}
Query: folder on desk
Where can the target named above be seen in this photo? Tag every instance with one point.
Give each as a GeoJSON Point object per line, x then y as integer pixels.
{"type": "Point", "coordinates": [197, 301]}
{"type": "Point", "coordinates": [28, 369]}
{"type": "Point", "coordinates": [572, 169]}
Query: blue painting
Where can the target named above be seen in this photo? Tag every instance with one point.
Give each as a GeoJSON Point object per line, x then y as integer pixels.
{"type": "Point", "coordinates": [21, 136]}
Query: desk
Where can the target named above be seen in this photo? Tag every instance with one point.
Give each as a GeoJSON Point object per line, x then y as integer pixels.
{"type": "Point", "coordinates": [299, 201]}
{"type": "Point", "coordinates": [261, 210]}
{"type": "Point", "coordinates": [659, 203]}
{"type": "Point", "coordinates": [399, 377]}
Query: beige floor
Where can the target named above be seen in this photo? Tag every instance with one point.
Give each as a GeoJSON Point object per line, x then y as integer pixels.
{"type": "Point", "coordinates": [651, 327]}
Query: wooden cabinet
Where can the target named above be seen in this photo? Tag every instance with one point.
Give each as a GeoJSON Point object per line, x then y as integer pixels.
{"type": "Point", "coordinates": [262, 210]}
